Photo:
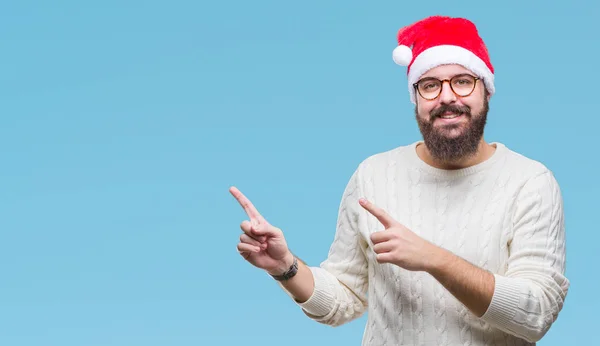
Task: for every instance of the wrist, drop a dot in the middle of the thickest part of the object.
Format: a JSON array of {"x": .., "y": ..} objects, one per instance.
[
  {"x": 439, "y": 260},
  {"x": 285, "y": 265}
]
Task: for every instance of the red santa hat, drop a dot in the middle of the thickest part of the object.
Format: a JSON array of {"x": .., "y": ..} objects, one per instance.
[{"x": 440, "y": 40}]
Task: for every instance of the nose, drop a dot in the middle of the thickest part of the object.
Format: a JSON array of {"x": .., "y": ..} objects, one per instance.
[{"x": 446, "y": 94}]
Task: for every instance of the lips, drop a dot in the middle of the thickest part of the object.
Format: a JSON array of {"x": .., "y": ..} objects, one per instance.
[
  {"x": 450, "y": 115},
  {"x": 450, "y": 119},
  {"x": 449, "y": 112}
]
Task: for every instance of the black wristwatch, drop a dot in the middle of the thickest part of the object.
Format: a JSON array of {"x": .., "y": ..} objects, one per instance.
[{"x": 290, "y": 273}]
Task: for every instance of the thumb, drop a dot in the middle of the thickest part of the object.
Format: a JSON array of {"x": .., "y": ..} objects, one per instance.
[{"x": 265, "y": 230}]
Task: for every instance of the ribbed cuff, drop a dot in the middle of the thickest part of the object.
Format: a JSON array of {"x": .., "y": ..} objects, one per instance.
[
  {"x": 322, "y": 300},
  {"x": 505, "y": 302}
]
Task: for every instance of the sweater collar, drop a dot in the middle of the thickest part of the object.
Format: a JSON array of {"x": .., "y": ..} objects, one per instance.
[{"x": 455, "y": 173}]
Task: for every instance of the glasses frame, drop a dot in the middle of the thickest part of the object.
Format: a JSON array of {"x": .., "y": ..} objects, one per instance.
[{"x": 442, "y": 81}]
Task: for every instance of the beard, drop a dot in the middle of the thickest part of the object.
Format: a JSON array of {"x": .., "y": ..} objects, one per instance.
[{"x": 446, "y": 147}]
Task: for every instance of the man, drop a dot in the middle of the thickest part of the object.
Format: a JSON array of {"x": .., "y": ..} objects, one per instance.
[{"x": 447, "y": 241}]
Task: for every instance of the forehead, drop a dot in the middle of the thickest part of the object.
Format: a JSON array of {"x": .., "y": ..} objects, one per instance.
[{"x": 446, "y": 71}]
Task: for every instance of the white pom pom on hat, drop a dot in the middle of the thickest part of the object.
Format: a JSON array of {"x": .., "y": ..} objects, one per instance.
[{"x": 402, "y": 55}]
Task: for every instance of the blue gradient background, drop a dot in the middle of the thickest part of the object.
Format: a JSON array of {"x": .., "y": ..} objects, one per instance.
[{"x": 124, "y": 123}]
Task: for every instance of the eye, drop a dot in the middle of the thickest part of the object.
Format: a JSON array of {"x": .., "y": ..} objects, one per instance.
[
  {"x": 429, "y": 85},
  {"x": 463, "y": 81}
]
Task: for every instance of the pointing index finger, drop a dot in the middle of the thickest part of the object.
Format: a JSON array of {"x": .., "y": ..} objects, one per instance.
[
  {"x": 383, "y": 217},
  {"x": 253, "y": 214}
]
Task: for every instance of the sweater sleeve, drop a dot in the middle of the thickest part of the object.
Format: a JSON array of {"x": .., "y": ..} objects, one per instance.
[
  {"x": 529, "y": 296},
  {"x": 341, "y": 281}
]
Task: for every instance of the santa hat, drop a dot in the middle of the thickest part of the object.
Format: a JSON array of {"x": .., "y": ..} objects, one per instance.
[{"x": 439, "y": 40}]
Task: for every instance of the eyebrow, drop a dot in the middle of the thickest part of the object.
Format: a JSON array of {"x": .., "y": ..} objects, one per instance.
[{"x": 456, "y": 75}]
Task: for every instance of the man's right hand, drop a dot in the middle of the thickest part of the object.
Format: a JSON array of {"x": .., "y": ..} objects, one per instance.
[{"x": 262, "y": 244}]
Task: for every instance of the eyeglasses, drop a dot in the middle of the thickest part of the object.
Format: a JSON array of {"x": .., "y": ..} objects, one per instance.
[{"x": 430, "y": 88}]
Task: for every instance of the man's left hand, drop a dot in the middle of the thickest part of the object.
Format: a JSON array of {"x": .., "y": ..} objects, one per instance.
[{"x": 398, "y": 245}]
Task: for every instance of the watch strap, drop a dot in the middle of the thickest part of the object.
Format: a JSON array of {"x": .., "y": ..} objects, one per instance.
[{"x": 290, "y": 273}]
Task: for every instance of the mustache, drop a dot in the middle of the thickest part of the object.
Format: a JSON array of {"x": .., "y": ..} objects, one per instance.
[{"x": 450, "y": 108}]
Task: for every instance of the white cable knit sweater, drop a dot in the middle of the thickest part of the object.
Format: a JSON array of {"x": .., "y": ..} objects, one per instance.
[{"x": 504, "y": 215}]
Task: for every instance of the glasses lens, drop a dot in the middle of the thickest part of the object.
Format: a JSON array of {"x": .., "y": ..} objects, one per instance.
[
  {"x": 463, "y": 85},
  {"x": 429, "y": 88}
]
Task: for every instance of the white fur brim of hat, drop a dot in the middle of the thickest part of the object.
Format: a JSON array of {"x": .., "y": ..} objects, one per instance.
[{"x": 441, "y": 55}]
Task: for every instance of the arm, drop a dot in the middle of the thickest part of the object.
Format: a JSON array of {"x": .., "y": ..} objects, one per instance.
[
  {"x": 301, "y": 286},
  {"x": 335, "y": 292},
  {"x": 471, "y": 285},
  {"x": 526, "y": 300}
]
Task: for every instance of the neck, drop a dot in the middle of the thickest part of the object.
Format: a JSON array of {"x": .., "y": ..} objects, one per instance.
[{"x": 484, "y": 152}]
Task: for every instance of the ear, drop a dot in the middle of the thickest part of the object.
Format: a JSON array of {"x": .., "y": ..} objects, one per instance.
[{"x": 487, "y": 94}]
